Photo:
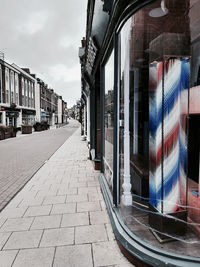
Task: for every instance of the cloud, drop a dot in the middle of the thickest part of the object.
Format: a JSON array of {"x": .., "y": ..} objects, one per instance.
[
  {"x": 67, "y": 41},
  {"x": 34, "y": 22},
  {"x": 64, "y": 73},
  {"x": 45, "y": 36}
]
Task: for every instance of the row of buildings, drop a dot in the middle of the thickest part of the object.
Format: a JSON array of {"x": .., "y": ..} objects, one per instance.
[
  {"x": 26, "y": 99},
  {"x": 75, "y": 111},
  {"x": 140, "y": 112}
]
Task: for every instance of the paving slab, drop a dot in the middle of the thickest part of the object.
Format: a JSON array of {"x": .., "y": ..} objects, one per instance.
[
  {"x": 24, "y": 239},
  {"x": 45, "y": 222},
  {"x": 66, "y": 191},
  {"x": 32, "y": 201},
  {"x": 88, "y": 206},
  {"x": 99, "y": 217},
  {"x": 77, "y": 198},
  {"x": 38, "y": 211},
  {"x": 73, "y": 256},
  {"x": 7, "y": 258},
  {"x": 75, "y": 219},
  {"x": 109, "y": 231},
  {"x": 12, "y": 225},
  {"x": 57, "y": 237},
  {"x": 3, "y": 238},
  {"x": 86, "y": 190},
  {"x": 90, "y": 234},
  {"x": 39, "y": 257},
  {"x": 64, "y": 208},
  {"x": 54, "y": 200},
  {"x": 13, "y": 212},
  {"x": 107, "y": 253},
  {"x": 95, "y": 197}
]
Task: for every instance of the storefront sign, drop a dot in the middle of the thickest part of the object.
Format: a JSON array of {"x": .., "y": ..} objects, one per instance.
[
  {"x": 12, "y": 114},
  {"x": 92, "y": 51},
  {"x": 28, "y": 112},
  {"x": 43, "y": 114}
]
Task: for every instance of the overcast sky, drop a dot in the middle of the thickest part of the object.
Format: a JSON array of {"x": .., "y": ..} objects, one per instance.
[{"x": 44, "y": 35}]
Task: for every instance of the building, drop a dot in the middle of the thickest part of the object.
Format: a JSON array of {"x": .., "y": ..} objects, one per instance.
[
  {"x": 17, "y": 95},
  {"x": 27, "y": 95},
  {"x": 25, "y": 99},
  {"x": 51, "y": 107},
  {"x": 60, "y": 110},
  {"x": 75, "y": 111},
  {"x": 141, "y": 105},
  {"x": 64, "y": 112},
  {"x": 47, "y": 103}
]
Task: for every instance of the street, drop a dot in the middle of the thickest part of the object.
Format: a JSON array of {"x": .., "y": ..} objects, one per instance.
[{"x": 22, "y": 156}]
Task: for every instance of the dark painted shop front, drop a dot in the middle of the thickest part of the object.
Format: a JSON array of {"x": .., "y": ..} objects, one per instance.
[{"x": 141, "y": 63}]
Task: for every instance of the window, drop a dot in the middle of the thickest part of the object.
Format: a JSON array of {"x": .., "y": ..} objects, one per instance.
[
  {"x": 109, "y": 120},
  {"x": 159, "y": 52},
  {"x": 23, "y": 92},
  {"x": 0, "y": 84},
  {"x": 32, "y": 97},
  {"x": 26, "y": 92},
  {"x": 12, "y": 87},
  {"x": 16, "y": 89},
  {"x": 29, "y": 94},
  {"x": 7, "y": 85}
]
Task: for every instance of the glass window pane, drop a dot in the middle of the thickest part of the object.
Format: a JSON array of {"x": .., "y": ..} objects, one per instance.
[
  {"x": 109, "y": 119},
  {"x": 160, "y": 71}
]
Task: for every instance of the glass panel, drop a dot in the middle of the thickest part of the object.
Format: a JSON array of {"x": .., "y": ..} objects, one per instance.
[
  {"x": 0, "y": 85},
  {"x": 109, "y": 120},
  {"x": 160, "y": 71},
  {"x": 7, "y": 86},
  {"x": 121, "y": 131},
  {"x": 16, "y": 89},
  {"x": 23, "y": 92},
  {"x": 12, "y": 86}
]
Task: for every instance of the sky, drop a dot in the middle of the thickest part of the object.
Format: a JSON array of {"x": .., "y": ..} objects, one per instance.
[{"x": 44, "y": 36}]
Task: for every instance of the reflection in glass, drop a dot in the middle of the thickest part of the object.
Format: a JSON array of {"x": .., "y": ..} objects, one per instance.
[
  {"x": 160, "y": 57},
  {"x": 109, "y": 120}
]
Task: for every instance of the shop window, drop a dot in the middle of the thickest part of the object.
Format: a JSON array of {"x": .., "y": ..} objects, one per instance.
[
  {"x": 0, "y": 84},
  {"x": 109, "y": 120},
  {"x": 98, "y": 115},
  {"x": 159, "y": 147},
  {"x": 134, "y": 114}
]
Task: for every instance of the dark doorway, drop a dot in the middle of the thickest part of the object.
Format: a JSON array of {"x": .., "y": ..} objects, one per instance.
[{"x": 194, "y": 147}]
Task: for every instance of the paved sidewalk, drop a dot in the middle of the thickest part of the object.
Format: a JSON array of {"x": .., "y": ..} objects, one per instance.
[
  {"x": 21, "y": 157},
  {"x": 59, "y": 218}
]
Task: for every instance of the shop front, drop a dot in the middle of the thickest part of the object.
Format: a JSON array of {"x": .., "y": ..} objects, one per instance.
[
  {"x": 28, "y": 116},
  {"x": 150, "y": 128},
  {"x": 10, "y": 116}
]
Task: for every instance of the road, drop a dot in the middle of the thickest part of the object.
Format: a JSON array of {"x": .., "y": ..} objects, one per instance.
[{"x": 22, "y": 156}]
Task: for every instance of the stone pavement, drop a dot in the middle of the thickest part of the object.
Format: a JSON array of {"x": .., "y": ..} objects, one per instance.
[
  {"x": 21, "y": 157},
  {"x": 59, "y": 218}
]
